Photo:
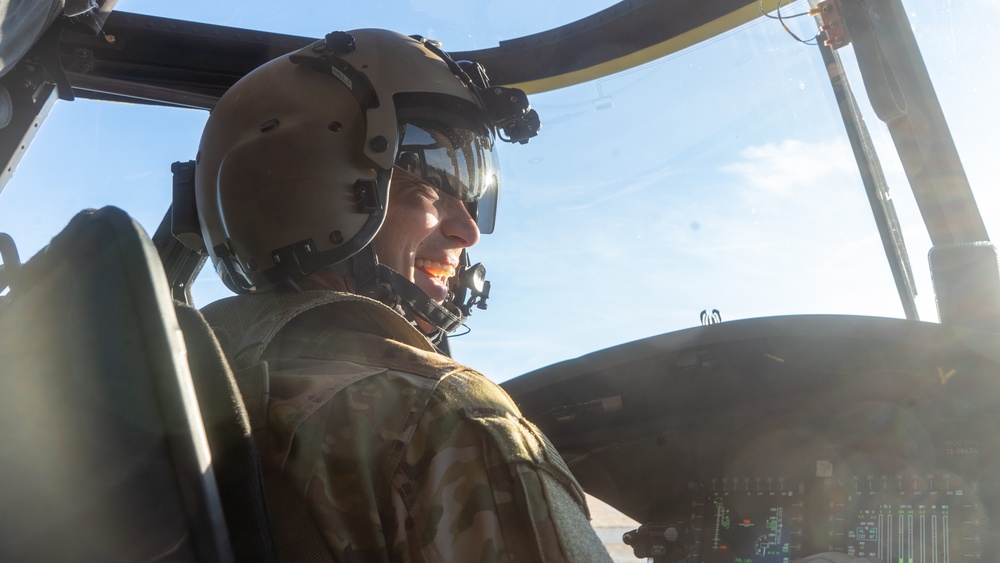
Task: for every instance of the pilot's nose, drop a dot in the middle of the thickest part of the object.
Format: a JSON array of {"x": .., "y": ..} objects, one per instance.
[{"x": 458, "y": 225}]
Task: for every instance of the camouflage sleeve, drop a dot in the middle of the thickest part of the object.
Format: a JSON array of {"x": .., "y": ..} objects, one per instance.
[{"x": 478, "y": 482}]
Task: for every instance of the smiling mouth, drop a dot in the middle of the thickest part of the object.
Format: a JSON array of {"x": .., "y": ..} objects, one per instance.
[{"x": 434, "y": 269}]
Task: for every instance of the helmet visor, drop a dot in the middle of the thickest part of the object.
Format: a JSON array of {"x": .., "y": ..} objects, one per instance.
[{"x": 456, "y": 160}]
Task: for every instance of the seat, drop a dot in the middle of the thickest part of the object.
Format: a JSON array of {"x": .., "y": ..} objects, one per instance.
[
  {"x": 105, "y": 455},
  {"x": 235, "y": 459}
]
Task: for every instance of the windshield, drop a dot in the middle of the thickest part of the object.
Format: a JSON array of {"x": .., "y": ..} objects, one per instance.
[{"x": 717, "y": 178}]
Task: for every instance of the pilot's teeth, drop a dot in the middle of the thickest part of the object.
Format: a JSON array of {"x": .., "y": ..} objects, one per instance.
[{"x": 434, "y": 265}]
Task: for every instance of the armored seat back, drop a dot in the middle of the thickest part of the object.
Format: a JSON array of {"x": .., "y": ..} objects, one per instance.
[{"x": 104, "y": 455}]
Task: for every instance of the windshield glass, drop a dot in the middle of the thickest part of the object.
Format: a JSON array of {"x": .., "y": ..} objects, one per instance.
[{"x": 717, "y": 178}]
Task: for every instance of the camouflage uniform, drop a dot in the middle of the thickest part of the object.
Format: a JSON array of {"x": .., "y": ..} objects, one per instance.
[{"x": 389, "y": 450}]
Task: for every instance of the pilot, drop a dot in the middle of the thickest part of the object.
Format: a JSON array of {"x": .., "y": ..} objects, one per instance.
[{"x": 338, "y": 189}]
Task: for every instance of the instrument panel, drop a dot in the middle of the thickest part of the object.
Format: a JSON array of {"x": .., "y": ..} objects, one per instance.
[
  {"x": 768, "y": 440},
  {"x": 874, "y": 516}
]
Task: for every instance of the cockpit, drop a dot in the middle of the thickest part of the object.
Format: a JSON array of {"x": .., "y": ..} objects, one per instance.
[{"x": 742, "y": 278}]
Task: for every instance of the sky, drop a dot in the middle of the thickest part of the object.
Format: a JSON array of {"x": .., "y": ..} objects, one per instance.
[{"x": 716, "y": 178}]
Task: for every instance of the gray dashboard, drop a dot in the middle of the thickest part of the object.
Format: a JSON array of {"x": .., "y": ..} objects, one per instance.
[{"x": 769, "y": 439}]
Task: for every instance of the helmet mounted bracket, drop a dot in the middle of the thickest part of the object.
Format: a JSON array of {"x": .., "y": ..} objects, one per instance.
[{"x": 507, "y": 108}]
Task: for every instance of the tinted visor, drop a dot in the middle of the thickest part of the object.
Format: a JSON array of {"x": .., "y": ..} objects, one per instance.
[{"x": 456, "y": 160}]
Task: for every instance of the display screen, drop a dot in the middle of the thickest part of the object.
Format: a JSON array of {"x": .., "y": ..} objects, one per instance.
[
  {"x": 749, "y": 520},
  {"x": 916, "y": 520},
  {"x": 897, "y": 519}
]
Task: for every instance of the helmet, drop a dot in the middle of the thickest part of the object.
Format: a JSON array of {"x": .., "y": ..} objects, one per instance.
[{"x": 293, "y": 171}]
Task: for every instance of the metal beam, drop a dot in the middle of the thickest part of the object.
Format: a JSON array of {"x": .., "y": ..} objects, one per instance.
[
  {"x": 964, "y": 267},
  {"x": 903, "y": 96},
  {"x": 146, "y": 59},
  {"x": 31, "y": 103}
]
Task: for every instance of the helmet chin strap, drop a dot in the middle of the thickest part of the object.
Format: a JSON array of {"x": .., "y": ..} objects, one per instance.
[{"x": 389, "y": 286}]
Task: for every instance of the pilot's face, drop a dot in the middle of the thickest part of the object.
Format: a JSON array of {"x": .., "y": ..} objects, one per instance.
[{"x": 423, "y": 234}]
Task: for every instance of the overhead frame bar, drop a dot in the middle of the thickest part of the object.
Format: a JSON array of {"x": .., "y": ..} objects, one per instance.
[
  {"x": 613, "y": 40},
  {"x": 145, "y": 59}
]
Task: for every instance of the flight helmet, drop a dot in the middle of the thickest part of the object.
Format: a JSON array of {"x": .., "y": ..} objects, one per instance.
[{"x": 294, "y": 167}]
